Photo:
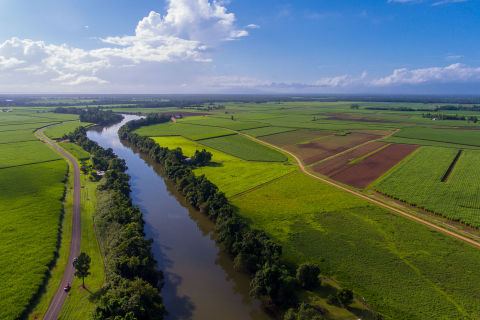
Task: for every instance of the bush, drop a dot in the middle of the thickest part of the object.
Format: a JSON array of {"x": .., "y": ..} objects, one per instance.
[
  {"x": 307, "y": 275},
  {"x": 304, "y": 312}
]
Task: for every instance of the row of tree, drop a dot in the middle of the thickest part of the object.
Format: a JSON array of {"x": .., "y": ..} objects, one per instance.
[
  {"x": 132, "y": 288},
  {"x": 253, "y": 251},
  {"x": 92, "y": 115},
  {"x": 443, "y": 116}
]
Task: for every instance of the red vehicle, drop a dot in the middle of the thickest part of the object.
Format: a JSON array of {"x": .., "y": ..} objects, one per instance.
[{"x": 67, "y": 287}]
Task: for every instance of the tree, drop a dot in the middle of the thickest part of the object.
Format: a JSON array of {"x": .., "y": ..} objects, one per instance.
[
  {"x": 345, "y": 296},
  {"x": 355, "y": 106},
  {"x": 304, "y": 312},
  {"x": 82, "y": 265},
  {"x": 307, "y": 275}
]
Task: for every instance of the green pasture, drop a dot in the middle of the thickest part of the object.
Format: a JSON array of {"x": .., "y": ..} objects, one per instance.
[
  {"x": 418, "y": 181},
  {"x": 403, "y": 269},
  {"x": 265, "y": 131},
  {"x": 189, "y": 131},
  {"x": 232, "y": 175},
  {"x": 17, "y": 136},
  {"x": 58, "y": 131},
  {"x": 75, "y": 150},
  {"x": 244, "y": 148},
  {"x": 459, "y": 136},
  {"x": 224, "y": 123},
  {"x": 30, "y": 211},
  {"x": 420, "y": 142},
  {"x": 21, "y": 153}
]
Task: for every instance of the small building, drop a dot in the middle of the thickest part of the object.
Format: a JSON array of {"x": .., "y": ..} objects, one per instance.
[
  {"x": 188, "y": 160},
  {"x": 100, "y": 173}
]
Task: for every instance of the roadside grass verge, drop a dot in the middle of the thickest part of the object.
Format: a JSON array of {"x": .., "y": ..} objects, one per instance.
[
  {"x": 80, "y": 303},
  {"x": 30, "y": 212},
  {"x": 400, "y": 267},
  {"x": 244, "y": 148}
]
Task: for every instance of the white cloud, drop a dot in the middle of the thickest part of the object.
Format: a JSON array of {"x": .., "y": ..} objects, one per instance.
[
  {"x": 188, "y": 31},
  {"x": 253, "y": 26},
  {"x": 340, "y": 81},
  {"x": 438, "y": 3},
  {"x": 453, "y": 73}
]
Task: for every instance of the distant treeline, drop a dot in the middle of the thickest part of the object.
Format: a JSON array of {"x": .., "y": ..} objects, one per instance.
[
  {"x": 253, "y": 251},
  {"x": 132, "y": 288},
  {"x": 188, "y": 100},
  {"x": 436, "y": 109},
  {"x": 442, "y": 116},
  {"x": 92, "y": 115}
]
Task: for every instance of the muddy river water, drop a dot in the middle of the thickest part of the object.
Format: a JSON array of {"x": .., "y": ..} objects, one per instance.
[{"x": 200, "y": 282}]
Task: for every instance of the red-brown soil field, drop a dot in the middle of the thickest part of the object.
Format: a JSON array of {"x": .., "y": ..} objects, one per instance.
[
  {"x": 337, "y": 164},
  {"x": 320, "y": 149},
  {"x": 371, "y": 168}
]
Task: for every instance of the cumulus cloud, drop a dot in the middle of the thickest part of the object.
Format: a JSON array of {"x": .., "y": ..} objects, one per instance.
[
  {"x": 187, "y": 32},
  {"x": 453, "y": 73}
]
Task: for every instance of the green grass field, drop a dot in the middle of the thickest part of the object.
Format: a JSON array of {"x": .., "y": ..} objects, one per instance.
[
  {"x": 17, "y": 136},
  {"x": 244, "y": 148},
  {"x": 75, "y": 150},
  {"x": 418, "y": 181},
  {"x": 58, "y": 131},
  {"x": 420, "y": 142},
  {"x": 232, "y": 175},
  {"x": 404, "y": 270},
  {"x": 189, "y": 131},
  {"x": 21, "y": 153},
  {"x": 30, "y": 211},
  {"x": 266, "y": 131},
  {"x": 224, "y": 122},
  {"x": 465, "y": 137}
]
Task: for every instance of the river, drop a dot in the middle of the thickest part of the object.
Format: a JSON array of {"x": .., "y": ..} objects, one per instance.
[{"x": 200, "y": 282}]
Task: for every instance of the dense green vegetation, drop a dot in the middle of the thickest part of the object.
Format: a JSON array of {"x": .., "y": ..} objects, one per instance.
[
  {"x": 132, "y": 282},
  {"x": 92, "y": 115},
  {"x": 30, "y": 212},
  {"x": 418, "y": 181},
  {"x": 244, "y": 148}
]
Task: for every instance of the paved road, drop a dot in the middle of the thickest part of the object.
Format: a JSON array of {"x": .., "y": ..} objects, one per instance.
[
  {"x": 58, "y": 300},
  {"x": 358, "y": 194}
]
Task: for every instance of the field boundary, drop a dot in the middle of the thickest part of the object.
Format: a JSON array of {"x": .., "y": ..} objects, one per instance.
[
  {"x": 261, "y": 185},
  {"x": 368, "y": 154},
  {"x": 451, "y": 167},
  {"x": 374, "y": 201},
  {"x": 31, "y": 163}
]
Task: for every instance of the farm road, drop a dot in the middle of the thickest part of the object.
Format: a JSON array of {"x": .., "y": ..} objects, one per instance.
[
  {"x": 358, "y": 194},
  {"x": 58, "y": 300}
]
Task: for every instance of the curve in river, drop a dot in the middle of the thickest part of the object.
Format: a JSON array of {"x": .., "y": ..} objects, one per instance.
[{"x": 200, "y": 282}]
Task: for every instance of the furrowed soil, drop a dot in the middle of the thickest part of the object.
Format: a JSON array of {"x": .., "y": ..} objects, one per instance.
[
  {"x": 337, "y": 164},
  {"x": 371, "y": 168},
  {"x": 317, "y": 150}
]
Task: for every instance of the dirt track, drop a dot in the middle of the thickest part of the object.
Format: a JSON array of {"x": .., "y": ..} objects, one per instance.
[
  {"x": 58, "y": 300},
  {"x": 358, "y": 194}
]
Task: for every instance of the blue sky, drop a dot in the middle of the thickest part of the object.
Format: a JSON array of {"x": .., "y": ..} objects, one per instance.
[{"x": 197, "y": 46}]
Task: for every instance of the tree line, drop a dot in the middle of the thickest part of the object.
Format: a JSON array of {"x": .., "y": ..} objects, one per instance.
[
  {"x": 132, "y": 288},
  {"x": 253, "y": 251},
  {"x": 92, "y": 115},
  {"x": 442, "y": 116}
]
